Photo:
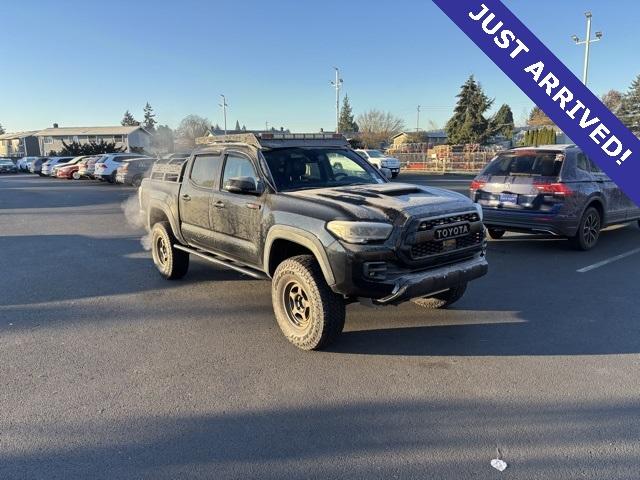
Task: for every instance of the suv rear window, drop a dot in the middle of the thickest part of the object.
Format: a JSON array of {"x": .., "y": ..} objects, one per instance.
[{"x": 545, "y": 164}]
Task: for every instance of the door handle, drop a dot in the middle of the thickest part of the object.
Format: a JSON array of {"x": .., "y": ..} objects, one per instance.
[
  {"x": 219, "y": 204},
  {"x": 186, "y": 197}
]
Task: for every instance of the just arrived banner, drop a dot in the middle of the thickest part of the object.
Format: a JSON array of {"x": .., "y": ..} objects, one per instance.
[{"x": 552, "y": 87}]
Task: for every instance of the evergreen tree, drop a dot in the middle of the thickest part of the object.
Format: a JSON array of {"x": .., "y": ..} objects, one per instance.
[
  {"x": 502, "y": 122},
  {"x": 468, "y": 124},
  {"x": 1, "y": 130},
  {"x": 128, "y": 120},
  {"x": 149, "y": 122},
  {"x": 630, "y": 108},
  {"x": 237, "y": 129},
  {"x": 244, "y": 128},
  {"x": 346, "y": 122},
  {"x": 536, "y": 138}
]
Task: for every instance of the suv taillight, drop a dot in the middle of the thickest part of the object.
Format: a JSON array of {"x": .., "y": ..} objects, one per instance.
[
  {"x": 477, "y": 185},
  {"x": 555, "y": 189}
]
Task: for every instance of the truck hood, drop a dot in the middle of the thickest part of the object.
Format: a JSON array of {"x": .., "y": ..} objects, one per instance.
[{"x": 394, "y": 202}]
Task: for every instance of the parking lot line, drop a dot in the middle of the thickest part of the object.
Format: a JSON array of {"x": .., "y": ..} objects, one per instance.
[{"x": 608, "y": 261}]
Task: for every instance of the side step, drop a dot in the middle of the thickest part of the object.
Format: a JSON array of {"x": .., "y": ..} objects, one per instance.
[{"x": 225, "y": 262}]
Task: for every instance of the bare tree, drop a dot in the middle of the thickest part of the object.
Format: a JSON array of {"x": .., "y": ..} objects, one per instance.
[
  {"x": 613, "y": 100},
  {"x": 378, "y": 127},
  {"x": 192, "y": 127},
  {"x": 537, "y": 118}
]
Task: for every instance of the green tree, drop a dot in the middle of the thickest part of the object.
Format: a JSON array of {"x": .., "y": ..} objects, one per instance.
[
  {"x": 502, "y": 122},
  {"x": 346, "y": 122},
  {"x": 92, "y": 148},
  {"x": 468, "y": 124},
  {"x": 237, "y": 127},
  {"x": 149, "y": 122},
  {"x": 163, "y": 139},
  {"x": 630, "y": 108},
  {"x": 128, "y": 120},
  {"x": 1, "y": 130}
]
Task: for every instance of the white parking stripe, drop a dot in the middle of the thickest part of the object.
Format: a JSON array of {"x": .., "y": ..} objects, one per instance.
[{"x": 608, "y": 261}]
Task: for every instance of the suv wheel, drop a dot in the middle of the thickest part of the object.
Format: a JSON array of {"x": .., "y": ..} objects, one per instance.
[
  {"x": 76, "y": 175},
  {"x": 112, "y": 177},
  {"x": 137, "y": 181},
  {"x": 309, "y": 314},
  {"x": 170, "y": 262},
  {"x": 496, "y": 233},
  {"x": 588, "y": 231},
  {"x": 444, "y": 299}
]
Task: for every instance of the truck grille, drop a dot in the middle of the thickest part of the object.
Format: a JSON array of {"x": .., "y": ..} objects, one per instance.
[
  {"x": 437, "y": 222},
  {"x": 426, "y": 249}
]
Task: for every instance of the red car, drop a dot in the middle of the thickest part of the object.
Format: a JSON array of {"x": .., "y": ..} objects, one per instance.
[{"x": 67, "y": 170}]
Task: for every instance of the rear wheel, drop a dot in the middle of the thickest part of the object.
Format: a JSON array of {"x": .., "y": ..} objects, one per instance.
[
  {"x": 496, "y": 233},
  {"x": 308, "y": 312},
  {"x": 588, "y": 231},
  {"x": 76, "y": 175},
  {"x": 444, "y": 299},
  {"x": 170, "y": 262}
]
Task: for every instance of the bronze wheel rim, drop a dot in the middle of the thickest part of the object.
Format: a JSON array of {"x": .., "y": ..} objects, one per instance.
[
  {"x": 162, "y": 251},
  {"x": 296, "y": 304}
]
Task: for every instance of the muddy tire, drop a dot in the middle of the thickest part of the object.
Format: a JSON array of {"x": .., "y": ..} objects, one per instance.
[
  {"x": 170, "y": 262},
  {"x": 588, "y": 231},
  {"x": 444, "y": 299},
  {"x": 309, "y": 314},
  {"x": 496, "y": 233}
]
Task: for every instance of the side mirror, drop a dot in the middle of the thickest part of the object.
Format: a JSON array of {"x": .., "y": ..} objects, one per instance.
[
  {"x": 247, "y": 185},
  {"x": 387, "y": 173}
]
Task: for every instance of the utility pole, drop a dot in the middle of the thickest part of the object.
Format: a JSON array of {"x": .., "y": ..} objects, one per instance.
[
  {"x": 266, "y": 126},
  {"x": 418, "y": 122},
  {"x": 224, "y": 106},
  {"x": 337, "y": 84},
  {"x": 587, "y": 46}
]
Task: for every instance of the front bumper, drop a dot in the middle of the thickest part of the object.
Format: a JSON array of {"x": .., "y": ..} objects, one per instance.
[
  {"x": 531, "y": 222},
  {"x": 421, "y": 284}
]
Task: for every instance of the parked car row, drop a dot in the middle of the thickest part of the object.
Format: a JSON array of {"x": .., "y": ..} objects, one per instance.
[
  {"x": 7, "y": 166},
  {"x": 125, "y": 168}
]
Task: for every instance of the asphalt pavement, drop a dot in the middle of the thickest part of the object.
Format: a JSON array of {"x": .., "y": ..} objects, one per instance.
[{"x": 109, "y": 371}]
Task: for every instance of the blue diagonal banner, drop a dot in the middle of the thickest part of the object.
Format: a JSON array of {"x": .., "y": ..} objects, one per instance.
[{"x": 551, "y": 86}]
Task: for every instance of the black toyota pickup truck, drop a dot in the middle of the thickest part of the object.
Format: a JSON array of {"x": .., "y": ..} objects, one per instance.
[{"x": 327, "y": 228}]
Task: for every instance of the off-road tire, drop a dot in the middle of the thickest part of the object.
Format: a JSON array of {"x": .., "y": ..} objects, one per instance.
[
  {"x": 588, "y": 230},
  {"x": 496, "y": 233},
  {"x": 444, "y": 299},
  {"x": 316, "y": 318},
  {"x": 170, "y": 262}
]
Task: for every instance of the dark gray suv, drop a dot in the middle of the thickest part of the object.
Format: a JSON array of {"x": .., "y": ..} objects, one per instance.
[{"x": 553, "y": 189}]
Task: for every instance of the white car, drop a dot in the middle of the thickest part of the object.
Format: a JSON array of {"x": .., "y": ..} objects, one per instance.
[
  {"x": 380, "y": 160},
  {"x": 47, "y": 167},
  {"x": 107, "y": 164}
]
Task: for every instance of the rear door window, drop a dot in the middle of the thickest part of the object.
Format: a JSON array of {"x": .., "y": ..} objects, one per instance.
[
  {"x": 545, "y": 164},
  {"x": 204, "y": 170}
]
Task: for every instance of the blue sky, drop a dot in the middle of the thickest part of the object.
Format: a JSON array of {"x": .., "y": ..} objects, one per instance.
[{"x": 85, "y": 63}]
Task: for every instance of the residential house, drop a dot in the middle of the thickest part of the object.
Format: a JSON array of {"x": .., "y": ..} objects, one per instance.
[
  {"x": 18, "y": 145},
  {"x": 431, "y": 137},
  {"x": 129, "y": 138}
]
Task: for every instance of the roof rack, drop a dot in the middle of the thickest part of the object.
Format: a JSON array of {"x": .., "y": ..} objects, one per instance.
[{"x": 277, "y": 139}]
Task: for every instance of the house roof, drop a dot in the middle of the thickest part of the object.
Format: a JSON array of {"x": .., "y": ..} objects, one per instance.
[
  {"x": 426, "y": 133},
  {"x": 15, "y": 135},
  {"x": 70, "y": 131}
]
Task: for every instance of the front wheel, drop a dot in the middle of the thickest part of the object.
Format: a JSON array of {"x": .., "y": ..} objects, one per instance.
[
  {"x": 137, "y": 181},
  {"x": 444, "y": 299},
  {"x": 170, "y": 262},
  {"x": 588, "y": 231},
  {"x": 308, "y": 312},
  {"x": 76, "y": 176},
  {"x": 394, "y": 175}
]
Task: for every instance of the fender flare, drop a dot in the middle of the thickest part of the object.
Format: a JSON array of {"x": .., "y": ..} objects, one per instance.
[
  {"x": 155, "y": 205},
  {"x": 304, "y": 238},
  {"x": 596, "y": 198}
]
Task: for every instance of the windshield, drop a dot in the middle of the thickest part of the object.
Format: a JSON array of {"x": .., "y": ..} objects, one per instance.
[
  {"x": 305, "y": 168},
  {"x": 375, "y": 153},
  {"x": 527, "y": 163},
  {"x": 6, "y": 162}
]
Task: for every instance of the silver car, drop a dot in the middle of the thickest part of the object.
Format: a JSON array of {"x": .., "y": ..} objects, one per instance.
[{"x": 553, "y": 189}]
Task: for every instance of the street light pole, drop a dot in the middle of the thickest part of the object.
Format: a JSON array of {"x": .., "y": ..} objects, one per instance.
[
  {"x": 337, "y": 84},
  {"x": 587, "y": 43},
  {"x": 224, "y": 106},
  {"x": 418, "y": 121}
]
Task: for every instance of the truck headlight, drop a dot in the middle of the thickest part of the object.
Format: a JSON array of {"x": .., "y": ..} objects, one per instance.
[
  {"x": 479, "y": 210},
  {"x": 360, "y": 232}
]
